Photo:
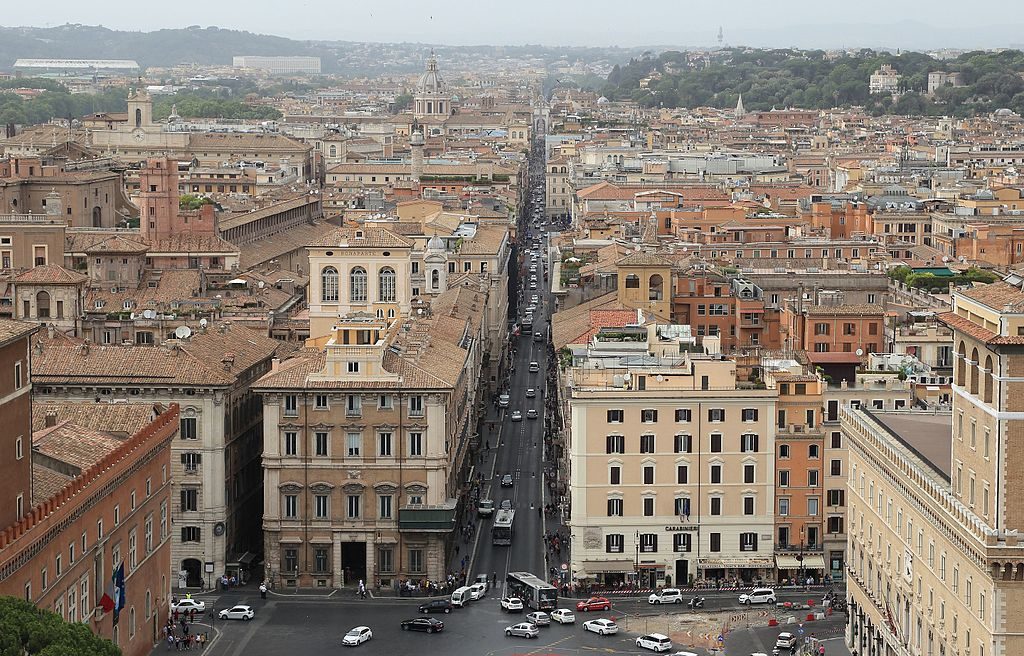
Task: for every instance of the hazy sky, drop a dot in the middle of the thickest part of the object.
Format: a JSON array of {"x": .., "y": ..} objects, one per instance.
[{"x": 553, "y": 22}]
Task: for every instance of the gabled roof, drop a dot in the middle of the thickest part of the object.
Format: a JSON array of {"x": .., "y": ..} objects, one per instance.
[
  {"x": 371, "y": 237},
  {"x": 117, "y": 244},
  {"x": 50, "y": 274},
  {"x": 1000, "y": 296},
  {"x": 643, "y": 258}
]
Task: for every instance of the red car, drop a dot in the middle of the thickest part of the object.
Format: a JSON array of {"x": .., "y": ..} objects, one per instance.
[{"x": 594, "y": 603}]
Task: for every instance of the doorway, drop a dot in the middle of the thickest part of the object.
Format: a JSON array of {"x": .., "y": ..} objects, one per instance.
[
  {"x": 353, "y": 562},
  {"x": 682, "y": 573},
  {"x": 193, "y": 570}
]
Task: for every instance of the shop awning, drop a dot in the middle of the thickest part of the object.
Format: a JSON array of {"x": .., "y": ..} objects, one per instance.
[
  {"x": 753, "y": 562},
  {"x": 608, "y": 566},
  {"x": 789, "y": 561}
]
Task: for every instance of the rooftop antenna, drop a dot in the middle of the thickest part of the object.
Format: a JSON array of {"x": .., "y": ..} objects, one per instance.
[{"x": 721, "y": 36}]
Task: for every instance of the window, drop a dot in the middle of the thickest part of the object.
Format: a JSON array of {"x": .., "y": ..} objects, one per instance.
[
  {"x": 821, "y": 329},
  {"x": 716, "y": 505},
  {"x": 291, "y": 405},
  {"x": 147, "y": 537},
  {"x": 415, "y": 444},
  {"x": 614, "y": 543},
  {"x": 649, "y": 475},
  {"x": 353, "y": 506},
  {"x": 748, "y": 473},
  {"x": 291, "y": 506},
  {"x": 836, "y": 497},
  {"x": 189, "y": 501},
  {"x": 387, "y": 291},
  {"x": 715, "y": 542},
  {"x": 646, "y": 444},
  {"x": 615, "y": 444},
  {"x": 353, "y": 367},
  {"x": 191, "y": 461},
  {"x": 190, "y": 534},
  {"x": 682, "y": 542},
  {"x": 812, "y": 506},
  {"x": 681, "y": 506},
  {"x": 683, "y": 444},
  {"x": 684, "y": 414},
  {"x": 783, "y": 452},
  {"x": 19, "y": 380},
  {"x": 837, "y": 440},
  {"x": 682, "y": 474},
  {"x": 716, "y": 414},
  {"x": 329, "y": 285},
  {"x": 749, "y": 443},
  {"x": 320, "y": 502},
  {"x": 291, "y": 560},
  {"x": 783, "y": 478},
  {"x": 614, "y": 475},
  {"x": 648, "y": 542},
  {"x": 384, "y": 444},
  {"x": 716, "y": 474},
  {"x": 648, "y": 416},
  {"x": 783, "y": 506},
  {"x": 188, "y": 428},
  {"x": 384, "y": 506},
  {"x": 291, "y": 443},
  {"x": 748, "y": 541},
  {"x": 836, "y": 467},
  {"x": 835, "y": 525},
  {"x": 615, "y": 416},
  {"x": 320, "y": 402},
  {"x": 320, "y": 560},
  {"x": 716, "y": 443},
  {"x": 416, "y": 406},
  {"x": 353, "y": 405},
  {"x": 353, "y": 444},
  {"x": 321, "y": 439},
  {"x": 357, "y": 285},
  {"x": 748, "y": 505},
  {"x": 648, "y": 506},
  {"x": 386, "y": 559},
  {"x": 615, "y": 507},
  {"x": 812, "y": 477},
  {"x": 750, "y": 414}
]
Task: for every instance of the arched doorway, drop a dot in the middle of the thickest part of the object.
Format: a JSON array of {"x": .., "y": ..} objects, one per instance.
[
  {"x": 97, "y": 217},
  {"x": 192, "y": 572}
]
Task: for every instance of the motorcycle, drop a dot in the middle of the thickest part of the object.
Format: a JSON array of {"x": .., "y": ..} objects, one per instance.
[{"x": 696, "y": 602}]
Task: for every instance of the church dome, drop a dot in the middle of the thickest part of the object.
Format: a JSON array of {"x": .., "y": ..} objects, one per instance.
[
  {"x": 431, "y": 82},
  {"x": 436, "y": 245}
]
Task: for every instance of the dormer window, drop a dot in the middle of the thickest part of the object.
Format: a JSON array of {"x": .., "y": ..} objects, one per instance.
[{"x": 359, "y": 234}]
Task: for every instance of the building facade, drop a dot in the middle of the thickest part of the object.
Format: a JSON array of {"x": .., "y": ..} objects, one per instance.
[{"x": 16, "y": 418}]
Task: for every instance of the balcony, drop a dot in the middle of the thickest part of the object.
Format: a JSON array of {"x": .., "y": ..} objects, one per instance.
[{"x": 428, "y": 519}]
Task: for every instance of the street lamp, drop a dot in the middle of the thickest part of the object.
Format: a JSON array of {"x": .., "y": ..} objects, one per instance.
[
  {"x": 800, "y": 557},
  {"x": 636, "y": 568}
]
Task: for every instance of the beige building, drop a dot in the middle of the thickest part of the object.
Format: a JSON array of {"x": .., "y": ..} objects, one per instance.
[
  {"x": 557, "y": 187},
  {"x": 671, "y": 463},
  {"x": 935, "y": 562},
  {"x": 364, "y": 440}
]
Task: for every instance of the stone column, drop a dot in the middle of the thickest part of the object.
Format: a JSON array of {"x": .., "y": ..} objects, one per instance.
[
  {"x": 371, "y": 560},
  {"x": 339, "y": 573}
]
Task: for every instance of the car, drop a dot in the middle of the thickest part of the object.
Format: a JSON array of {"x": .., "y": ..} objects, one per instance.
[
  {"x": 436, "y": 606},
  {"x": 425, "y": 624},
  {"x": 186, "y": 605},
  {"x": 517, "y": 415},
  {"x": 485, "y": 508},
  {"x": 594, "y": 603},
  {"x": 506, "y": 504},
  {"x": 522, "y": 630},
  {"x": 533, "y": 278},
  {"x": 540, "y": 618},
  {"x": 655, "y": 642},
  {"x": 530, "y": 392},
  {"x": 503, "y": 400},
  {"x": 506, "y": 480},
  {"x": 533, "y": 286},
  {"x": 785, "y": 640},
  {"x": 563, "y": 616},
  {"x": 531, "y": 413},
  {"x": 534, "y": 367},
  {"x": 601, "y": 627},
  {"x": 666, "y": 596},
  {"x": 534, "y": 299},
  {"x": 240, "y": 612},
  {"x": 482, "y": 578},
  {"x": 357, "y": 636},
  {"x": 531, "y": 308},
  {"x": 478, "y": 590},
  {"x": 512, "y": 604},
  {"x": 758, "y": 596}
]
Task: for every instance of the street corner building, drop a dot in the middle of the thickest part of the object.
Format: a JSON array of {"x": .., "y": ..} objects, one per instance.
[{"x": 94, "y": 545}]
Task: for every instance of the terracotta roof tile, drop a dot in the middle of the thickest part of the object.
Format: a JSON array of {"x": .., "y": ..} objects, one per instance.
[
  {"x": 73, "y": 444},
  {"x": 971, "y": 329},
  {"x": 1000, "y": 296},
  {"x": 11, "y": 330},
  {"x": 50, "y": 274},
  {"x": 372, "y": 237},
  {"x": 118, "y": 418}
]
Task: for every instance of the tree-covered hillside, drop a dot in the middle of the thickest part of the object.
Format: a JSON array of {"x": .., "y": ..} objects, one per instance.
[{"x": 810, "y": 79}]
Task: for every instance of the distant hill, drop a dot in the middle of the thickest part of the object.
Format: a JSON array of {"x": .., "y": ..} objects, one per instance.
[{"x": 209, "y": 45}]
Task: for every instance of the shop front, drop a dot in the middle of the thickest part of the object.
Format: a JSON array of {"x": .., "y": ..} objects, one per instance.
[
  {"x": 794, "y": 569},
  {"x": 736, "y": 570},
  {"x": 605, "y": 573}
]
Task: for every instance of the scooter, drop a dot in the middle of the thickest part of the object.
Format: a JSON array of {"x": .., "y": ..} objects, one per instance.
[{"x": 696, "y": 602}]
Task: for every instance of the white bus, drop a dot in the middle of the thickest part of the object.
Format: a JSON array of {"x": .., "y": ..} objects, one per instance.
[
  {"x": 534, "y": 592},
  {"x": 501, "y": 531}
]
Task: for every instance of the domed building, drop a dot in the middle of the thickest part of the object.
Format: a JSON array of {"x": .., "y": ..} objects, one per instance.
[{"x": 432, "y": 98}]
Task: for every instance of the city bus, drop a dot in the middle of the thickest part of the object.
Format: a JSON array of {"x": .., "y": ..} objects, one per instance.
[
  {"x": 501, "y": 531},
  {"x": 534, "y": 592},
  {"x": 526, "y": 326}
]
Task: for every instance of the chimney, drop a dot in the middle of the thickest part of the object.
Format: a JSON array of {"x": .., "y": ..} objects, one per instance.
[
  {"x": 50, "y": 330},
  {"x": 275, "y": 364},
  {"x": 51, "y": 418}
]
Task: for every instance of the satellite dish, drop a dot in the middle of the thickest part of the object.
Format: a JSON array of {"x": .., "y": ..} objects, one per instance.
[
  {"x": 262, "y": 284},
  {"x": 149, "y": 314},
  {"x": 860, "y": 352},
  {"x": 132, "y": 316},
  {"x": 182, "y": 332},
  {"x": 203, "y": 322}
]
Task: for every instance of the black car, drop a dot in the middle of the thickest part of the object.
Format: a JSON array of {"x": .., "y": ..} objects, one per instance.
[
  {"x": 436, "y": 606},
  {"x": 427, "y": 624}
]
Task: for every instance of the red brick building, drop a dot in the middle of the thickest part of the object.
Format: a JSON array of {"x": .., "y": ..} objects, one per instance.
[
  {"x": 16, "y": 419},
  {"x": 102, "y": 501}
]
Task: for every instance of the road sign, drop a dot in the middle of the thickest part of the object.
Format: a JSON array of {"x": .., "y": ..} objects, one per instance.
[
  {"x": 564, "y": 567},
  {"x": 721, "y": 638}
]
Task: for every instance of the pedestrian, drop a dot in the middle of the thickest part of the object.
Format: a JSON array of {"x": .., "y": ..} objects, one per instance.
[
  {"x": 263, "y": 590},
  {"x": 170, "y": 641}
]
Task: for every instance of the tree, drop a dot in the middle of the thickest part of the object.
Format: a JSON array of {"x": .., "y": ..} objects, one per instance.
[
  {"x": 29, "y": 631},
  {"x": 402, "y": 101}
]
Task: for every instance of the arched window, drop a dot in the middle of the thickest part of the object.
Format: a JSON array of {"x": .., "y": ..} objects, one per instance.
[
  {"x": 329, "y": 285},
  {"x": 43, "y": 305},
  {"x": 961, "y": 366},
  {"x": 632, "y": 281},
  {"x": 435, "y": 279},
  {"x": 654, "y": 288},
  {"x": 357, "y": 281},
  {"x": 386, "y": 293},
  {"x": 131, "y": 622},
  {"x": 989, "y": 380},
  {"x": 334, "y": 151},
  {"x": 974, "y": 371},
  {"x": 138, "y": 118}
]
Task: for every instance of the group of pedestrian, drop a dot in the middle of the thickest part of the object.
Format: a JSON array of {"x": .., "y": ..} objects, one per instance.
[{"x": 185, "y": 640}]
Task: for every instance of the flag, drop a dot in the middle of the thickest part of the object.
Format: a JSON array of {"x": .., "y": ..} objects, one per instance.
[
  {"x": 106, "y": 601},
  {"x": 118, "y": 580}
]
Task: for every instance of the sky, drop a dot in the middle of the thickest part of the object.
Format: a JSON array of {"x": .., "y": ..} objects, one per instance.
[{"x": 780, "y": 23}]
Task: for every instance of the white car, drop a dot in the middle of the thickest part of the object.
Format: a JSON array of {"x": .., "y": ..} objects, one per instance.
[
  {"x": 758, "y": 596},
  {"x": 517, "y": 415},
  {"x": 477, "y": 591},
  {"x": 512, "y": 604},
  {"x": 357, "y": 636},
  {"x": 655, "y": 642},
  {"x": 503, "y": 400},
  {"x": 785, "y": 640},
  {"x": 534, "y": 367},
  {"x": 666, "y": 596},
  {"x": 244, "y": 613},
  {"x": 563, "y": 616},
  {"x": 186, "y": 605},
  {"x": 531, "y": 392},
  {"x": 601, "y": 627},
  {"x": 523, "y": 630}
]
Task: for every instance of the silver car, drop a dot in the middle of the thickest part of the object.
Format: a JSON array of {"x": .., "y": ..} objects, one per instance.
[{"x": 523, "y": 630}]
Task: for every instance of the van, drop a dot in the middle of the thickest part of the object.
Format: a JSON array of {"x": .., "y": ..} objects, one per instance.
[{"x": 462, "y": 596}]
